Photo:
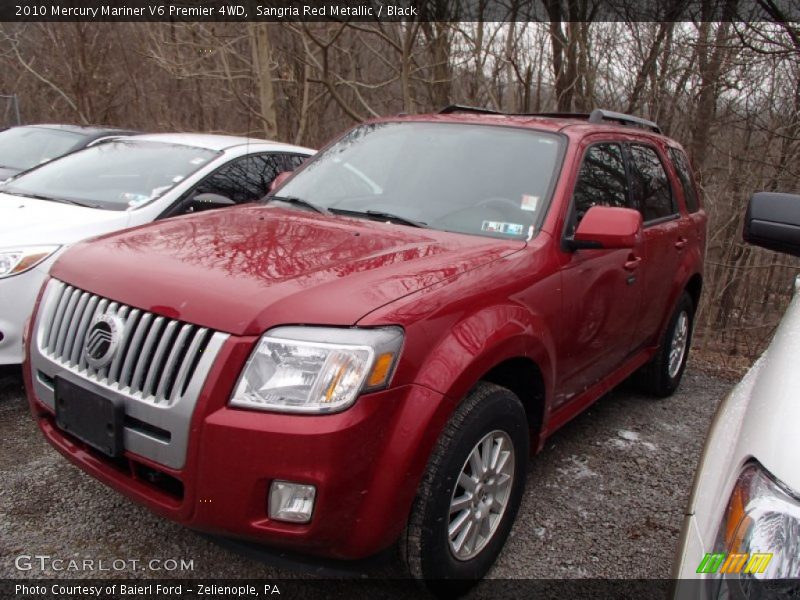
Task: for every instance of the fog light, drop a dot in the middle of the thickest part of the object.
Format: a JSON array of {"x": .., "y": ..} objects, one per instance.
[{"x": 292, "y": 502}]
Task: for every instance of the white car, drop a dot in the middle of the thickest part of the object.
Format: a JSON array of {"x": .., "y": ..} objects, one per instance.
[
  {"x": 741, "y": 532},
  {"x": 112, "y": 186}
]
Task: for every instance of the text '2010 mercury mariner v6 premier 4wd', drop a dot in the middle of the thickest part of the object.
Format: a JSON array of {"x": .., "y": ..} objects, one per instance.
[{"x": 370, "y": 355}]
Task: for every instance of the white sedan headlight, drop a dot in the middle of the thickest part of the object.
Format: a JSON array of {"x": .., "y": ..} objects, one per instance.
[
  {"x": 759, "y": 537},
  {"x": 14, "y": 261},
  {"x": 316, "y": 369}
]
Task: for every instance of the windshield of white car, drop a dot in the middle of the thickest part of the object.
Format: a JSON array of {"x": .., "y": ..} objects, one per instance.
[
  {"x": 476, "y": 179},
  {"x": 117, "y": 175},
  {"x": 24, "y": 147}
]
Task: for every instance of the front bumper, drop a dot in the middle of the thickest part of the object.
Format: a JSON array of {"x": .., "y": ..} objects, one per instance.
[{"x": 365, "y": 462}]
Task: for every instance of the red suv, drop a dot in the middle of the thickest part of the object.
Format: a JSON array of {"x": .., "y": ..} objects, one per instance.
[{"x": 369, "y": 356}]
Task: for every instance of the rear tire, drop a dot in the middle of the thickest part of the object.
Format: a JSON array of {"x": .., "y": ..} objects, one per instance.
[
  {"x": 661, "y": 376},
  {"x": 454, "y": 534}
]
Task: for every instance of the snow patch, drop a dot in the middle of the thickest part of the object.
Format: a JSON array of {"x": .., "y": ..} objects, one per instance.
[
  {"x": 577, "y": 468},
  {"x": 626, "y": 439}
]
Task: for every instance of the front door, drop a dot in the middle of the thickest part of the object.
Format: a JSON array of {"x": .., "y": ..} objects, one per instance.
[{"x": 603, "y": 289}]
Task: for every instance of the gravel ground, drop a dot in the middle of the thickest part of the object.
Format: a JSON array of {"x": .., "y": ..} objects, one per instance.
[{"x": 604, "y": 499}]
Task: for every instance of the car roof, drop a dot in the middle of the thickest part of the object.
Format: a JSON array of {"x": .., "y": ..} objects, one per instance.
[
  {"x": 577, "y": 124},
  {"x": 85, "y": 130},
  {"x": 220, "y": 142}
]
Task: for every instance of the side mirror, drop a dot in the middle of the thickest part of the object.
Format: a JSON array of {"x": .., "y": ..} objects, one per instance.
[
  {"x": 207, "y": 201},
  {"x": 607, "y": 227},
  {"x": 773, "y": 221},
  {"x": 278, "y": 181}
]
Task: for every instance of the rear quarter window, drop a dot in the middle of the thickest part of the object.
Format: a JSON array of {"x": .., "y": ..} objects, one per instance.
[{"x": 684, "y": 172}]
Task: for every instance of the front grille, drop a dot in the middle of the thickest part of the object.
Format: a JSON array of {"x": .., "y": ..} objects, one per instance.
[{"x": 155, "y": 359}]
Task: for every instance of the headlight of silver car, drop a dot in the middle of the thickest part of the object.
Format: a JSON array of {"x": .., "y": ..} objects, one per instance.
[
  {"x": 759, "y": 537},
  {"x": 316, "y": 369},
  {"x": 14, "y": 261}
]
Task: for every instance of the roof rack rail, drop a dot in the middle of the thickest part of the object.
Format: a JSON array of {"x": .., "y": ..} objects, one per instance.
[
  {"x": 472, "y": 109},
  {"x": 599, "y": 115}
]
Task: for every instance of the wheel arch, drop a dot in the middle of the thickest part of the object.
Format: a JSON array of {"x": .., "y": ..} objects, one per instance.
[
  {"x": 524, "y": 378},
  {"x": 694, "y": 287}
]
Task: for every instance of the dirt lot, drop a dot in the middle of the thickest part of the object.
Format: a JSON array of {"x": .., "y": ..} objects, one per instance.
[{"x": 603, "y": 500}]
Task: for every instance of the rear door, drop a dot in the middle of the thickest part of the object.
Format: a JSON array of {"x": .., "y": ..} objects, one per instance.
[
  {"x": 693, "y": 224},
  {"x": 664, "y": 236}
]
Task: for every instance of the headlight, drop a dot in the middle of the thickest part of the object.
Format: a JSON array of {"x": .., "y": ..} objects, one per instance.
[
  {"x": 316, "y": 369},
  {"x": 759, "y": 537},
  {"x": 19, "y": 260}
]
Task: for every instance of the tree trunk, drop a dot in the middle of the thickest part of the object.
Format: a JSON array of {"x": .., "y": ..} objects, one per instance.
[{"x": 265, "y": 90}]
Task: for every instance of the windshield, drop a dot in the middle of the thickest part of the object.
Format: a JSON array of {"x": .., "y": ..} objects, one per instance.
[
  {"x": 24, "y": 147},
  {"x": 476, "y": 179},
  {"x": 114, "y": 175}
]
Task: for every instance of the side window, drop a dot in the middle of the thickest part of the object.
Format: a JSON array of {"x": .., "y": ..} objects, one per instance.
[
  {"x": 292, "y": 161},
  {"x": 601, "y": 181},
  {"x": 687, "y": 181},
  {"x": 243, "y": 180},
  {"x": 651, "y": 190}
]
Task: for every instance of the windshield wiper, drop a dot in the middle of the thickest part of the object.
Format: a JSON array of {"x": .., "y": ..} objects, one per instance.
[
  {"x": 298, "y": 202},
  {"x": 62, "y": 200},
  {"x": 379, "y": 214},
  {"x": 48, "y": 198}
]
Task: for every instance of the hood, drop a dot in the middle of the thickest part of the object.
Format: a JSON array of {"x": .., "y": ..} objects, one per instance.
[
  {"x": 27, "y": 222},
  {"x": 244, "y": 270},
  {"x": 771, "y": 410}
]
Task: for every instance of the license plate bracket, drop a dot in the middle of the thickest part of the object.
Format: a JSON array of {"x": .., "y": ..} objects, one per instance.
[{"x": 90, "y": 417}]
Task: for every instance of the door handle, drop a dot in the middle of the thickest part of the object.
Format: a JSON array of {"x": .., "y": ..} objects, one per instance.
[
  {"x": 633, "y": 263},
  {"x": 681, "y": 243}
]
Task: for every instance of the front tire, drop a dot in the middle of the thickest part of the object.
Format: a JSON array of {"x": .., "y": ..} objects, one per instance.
[
  {"x": 470, "y": 492},
  {"x": 661, "y": 376}
]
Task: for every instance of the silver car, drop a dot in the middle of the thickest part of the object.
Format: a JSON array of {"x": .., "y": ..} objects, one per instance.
[{"x": 741, "y": 532}]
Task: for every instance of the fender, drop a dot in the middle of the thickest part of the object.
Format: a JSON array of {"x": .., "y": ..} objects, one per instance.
[
  {"x": 450, "y": 368},
  {"x": 484, "y": 340}
]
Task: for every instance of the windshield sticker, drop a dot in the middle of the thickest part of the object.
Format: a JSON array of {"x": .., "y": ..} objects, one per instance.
[
  {"x": 529, "y": 202},
  {"x": 158, "y": 191},
  {"x": 501, "y": 227},
  {"x": 134, "y": 200}
]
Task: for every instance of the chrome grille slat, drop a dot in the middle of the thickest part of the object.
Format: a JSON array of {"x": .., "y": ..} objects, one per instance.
[
  {"x": 77, "y": 343},
  {"x": 112, "y": 309},
  {"x": 172, "y": 361},
  {"x": 83, "y": 299},
  {"x": 183, "y": 372},
  {"x": 156, "y": 357},
  {"x": 133, "y": 352},
  {"x": 101, "y": 308},
  {"x": 58, "y": 319},
  {"x": 49, "y": 336},
  {"x": 62, "y": 331},
  {"x": 129, "y": 316},
  {"x": 144, "y": 359}
]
